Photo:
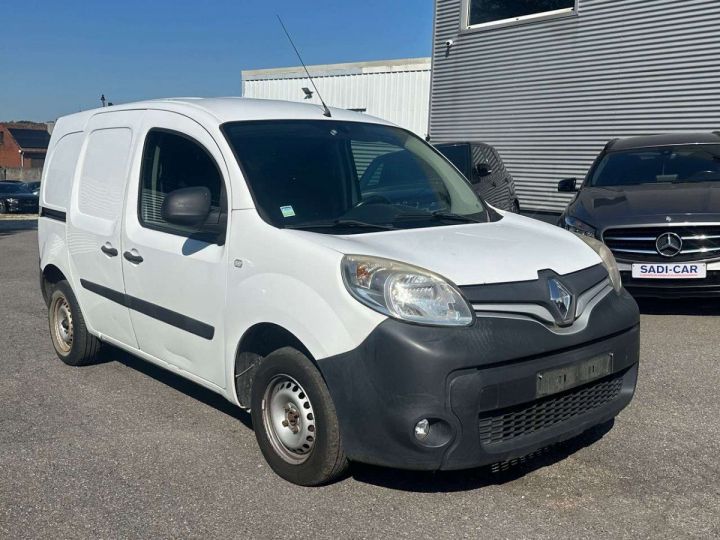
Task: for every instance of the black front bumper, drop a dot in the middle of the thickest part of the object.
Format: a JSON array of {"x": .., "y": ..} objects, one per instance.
[{"x": 477, "y": 386}]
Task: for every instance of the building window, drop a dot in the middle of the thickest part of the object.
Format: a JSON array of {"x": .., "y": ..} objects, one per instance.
[{"x": 483, "y": 13}]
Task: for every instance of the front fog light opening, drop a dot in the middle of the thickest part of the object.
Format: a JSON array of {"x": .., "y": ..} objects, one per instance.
[
  {"x": 422, "y": 429},
  {"x": 433, "y": 432}
]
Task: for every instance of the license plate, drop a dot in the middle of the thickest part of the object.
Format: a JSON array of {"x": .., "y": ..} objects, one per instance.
[
  {"x": 669, "y": 271},
  {"x": 557, "y": 380}
]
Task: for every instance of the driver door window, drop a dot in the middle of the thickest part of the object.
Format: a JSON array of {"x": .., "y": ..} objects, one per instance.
[{"x": 172, "y": 161}]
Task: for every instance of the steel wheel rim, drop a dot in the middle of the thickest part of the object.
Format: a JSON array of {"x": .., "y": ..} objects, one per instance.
[
  {"x": 289, "y": 419},
  {"x": 62, "y": 322}
]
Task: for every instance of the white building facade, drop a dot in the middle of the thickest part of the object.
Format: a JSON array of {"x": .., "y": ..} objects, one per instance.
[{"x": 395, "y": 90}]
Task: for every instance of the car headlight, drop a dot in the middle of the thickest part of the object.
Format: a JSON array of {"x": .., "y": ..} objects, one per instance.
[
  {"x": 405, "y": 292},
  {"x": 608, "y": 260},
  {"x": 573, "y": 224}
]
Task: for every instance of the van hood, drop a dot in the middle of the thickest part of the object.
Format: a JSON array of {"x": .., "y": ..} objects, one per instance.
[{"x": 513, "y": 248}]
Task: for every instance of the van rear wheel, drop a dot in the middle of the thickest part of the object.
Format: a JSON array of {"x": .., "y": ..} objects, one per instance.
[
  {"x": 73, "y": 344},
  {"x": 295, "y": 421}
]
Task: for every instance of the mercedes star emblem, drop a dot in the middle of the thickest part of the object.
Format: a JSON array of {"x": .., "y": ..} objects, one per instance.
[{"x": 668, "y": 244}]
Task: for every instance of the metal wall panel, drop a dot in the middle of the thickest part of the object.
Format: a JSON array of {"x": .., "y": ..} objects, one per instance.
[
  {"x": 400, "y": 95},
  {"x": 549, "y": 94}
]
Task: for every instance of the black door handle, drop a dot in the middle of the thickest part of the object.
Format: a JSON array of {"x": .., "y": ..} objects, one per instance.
[
  {"x": 108, "y": 250},
  {"x": 135, "y": 259}
]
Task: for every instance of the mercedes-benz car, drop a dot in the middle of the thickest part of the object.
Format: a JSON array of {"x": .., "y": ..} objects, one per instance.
[{"x": 655, "y": 202}]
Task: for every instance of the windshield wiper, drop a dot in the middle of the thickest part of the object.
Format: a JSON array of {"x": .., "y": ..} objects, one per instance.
[
  {"x": 456, "y": 217},
  {"x": 441, "y": 214},
  {"x": 340, "y": 223}
]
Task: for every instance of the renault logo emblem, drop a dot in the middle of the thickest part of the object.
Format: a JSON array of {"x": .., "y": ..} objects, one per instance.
[
  {"x": 562, "y": 299},
  {"x": 668, "y": 244}
]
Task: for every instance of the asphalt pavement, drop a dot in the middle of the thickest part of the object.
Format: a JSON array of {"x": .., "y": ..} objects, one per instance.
[{"x": 124, "y": 449}]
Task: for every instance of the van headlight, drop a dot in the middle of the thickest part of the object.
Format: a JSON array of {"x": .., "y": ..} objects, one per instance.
[
  {"x": 405, "y": 292},
  {"x": 608, "y": 260}
]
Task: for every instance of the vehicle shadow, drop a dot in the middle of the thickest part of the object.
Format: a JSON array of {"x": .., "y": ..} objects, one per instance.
[
  {"x": 413, "y": 481},
  {"x": 187, "y": 387},
  {"x": 497, "y": 474},
  {"x": 680, "y": 306}
]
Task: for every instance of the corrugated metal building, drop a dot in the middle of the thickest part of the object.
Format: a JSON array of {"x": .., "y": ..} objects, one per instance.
[
  {"x": 549, "y": 89},
  {"x": 396, "y": 90}
]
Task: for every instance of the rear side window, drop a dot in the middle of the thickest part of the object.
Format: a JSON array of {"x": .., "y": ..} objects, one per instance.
[
  {"x": 60, "y": 171},
  {"x": 173, "y": 161},
  {"x": 104, "y": 172}
]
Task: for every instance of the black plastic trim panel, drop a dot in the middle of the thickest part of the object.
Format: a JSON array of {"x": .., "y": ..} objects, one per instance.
[
  {"x": 160, "y": 313},
  {"x": 57, "y": 215},
  {"x": 536, "y": 290}
]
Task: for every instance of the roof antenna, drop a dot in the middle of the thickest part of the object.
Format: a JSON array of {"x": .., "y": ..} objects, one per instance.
[{"x": 326, "y": 111}]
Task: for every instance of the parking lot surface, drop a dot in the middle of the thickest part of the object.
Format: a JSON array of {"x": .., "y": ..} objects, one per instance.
[{"x": 125, "y": 449}]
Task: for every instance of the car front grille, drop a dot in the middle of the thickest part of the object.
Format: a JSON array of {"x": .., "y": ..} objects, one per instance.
[
  {"x": 548, "y": 412},
  {"x": 699, "y": 242}
]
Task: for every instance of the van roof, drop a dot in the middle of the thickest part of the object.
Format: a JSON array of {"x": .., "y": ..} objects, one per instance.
[{"x": 231, "y": 109}]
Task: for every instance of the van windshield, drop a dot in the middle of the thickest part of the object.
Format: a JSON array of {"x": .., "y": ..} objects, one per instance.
[
  {"x": 662, "y": 165},
  {"x": 347, "y": 177}
]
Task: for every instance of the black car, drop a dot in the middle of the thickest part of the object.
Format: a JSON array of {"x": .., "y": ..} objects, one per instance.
[
  {"x": 33, "y": 187},
  {"x": 655, "y": 202},
  {"x": 482, "y": 165},
  {"x": 15, "y": 198}
]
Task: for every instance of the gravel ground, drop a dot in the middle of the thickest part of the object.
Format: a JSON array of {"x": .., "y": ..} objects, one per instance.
[{"x": 124, "y": 449}]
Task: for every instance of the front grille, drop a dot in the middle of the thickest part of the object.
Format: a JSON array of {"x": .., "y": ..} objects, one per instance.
[
  {"x": 699, "y": 242},
  {"x": 547, "y": 412}
]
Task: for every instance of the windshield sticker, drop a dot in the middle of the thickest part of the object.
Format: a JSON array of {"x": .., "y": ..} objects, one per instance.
[{"x": 287, "y": 211}]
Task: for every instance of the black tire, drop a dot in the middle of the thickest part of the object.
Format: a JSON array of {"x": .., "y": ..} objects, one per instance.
[
  {"x": 73, "y": 344},
  {"x": 325, "y": 460}
]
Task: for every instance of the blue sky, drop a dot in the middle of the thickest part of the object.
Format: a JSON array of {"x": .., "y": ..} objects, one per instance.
[{"x": 57, "y": 57}]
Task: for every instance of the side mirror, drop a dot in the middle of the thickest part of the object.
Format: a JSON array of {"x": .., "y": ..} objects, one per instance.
[
  {"x": 482, "y": 169},
  {"x": 187, "y": 206},
  {"x": 568, "y": 185}
]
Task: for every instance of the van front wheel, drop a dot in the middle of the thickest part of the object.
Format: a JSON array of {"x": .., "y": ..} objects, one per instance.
[
  {"x": 295, "y": 421},
  {"x": 73, "y": 343}
]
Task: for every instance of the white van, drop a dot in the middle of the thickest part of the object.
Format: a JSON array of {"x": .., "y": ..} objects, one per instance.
[{"x": 378, "y": 314}]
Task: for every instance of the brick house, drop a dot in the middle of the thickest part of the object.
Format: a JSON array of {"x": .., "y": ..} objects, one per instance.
[{"x": 23, "y": 145}]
